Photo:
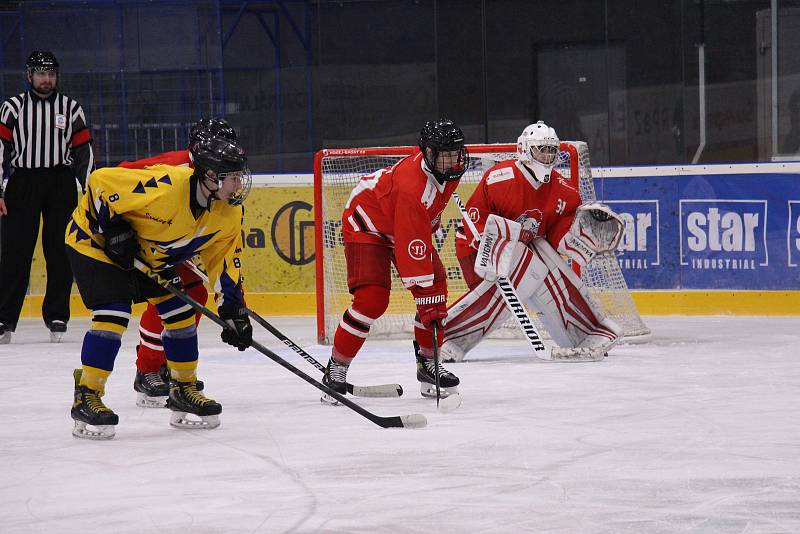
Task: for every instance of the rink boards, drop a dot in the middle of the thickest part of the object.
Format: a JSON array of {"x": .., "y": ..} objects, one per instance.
[{"x": 699, "y": 239}]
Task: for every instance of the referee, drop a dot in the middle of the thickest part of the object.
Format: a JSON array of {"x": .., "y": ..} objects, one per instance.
[{"x": 44, "y": 146}]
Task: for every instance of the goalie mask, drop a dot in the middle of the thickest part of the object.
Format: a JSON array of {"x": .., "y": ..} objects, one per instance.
[
  {"x": 442, "y": 145},
  {"x": 230, "y": 179},
  {"x": 537, "y": 149}
]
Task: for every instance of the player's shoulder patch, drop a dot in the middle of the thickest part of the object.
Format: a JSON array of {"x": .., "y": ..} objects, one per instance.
[{"x": 500, "y": 175}]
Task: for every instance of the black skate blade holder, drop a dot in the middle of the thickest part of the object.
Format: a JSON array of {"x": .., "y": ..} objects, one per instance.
[{"x": 398, "y": 421}]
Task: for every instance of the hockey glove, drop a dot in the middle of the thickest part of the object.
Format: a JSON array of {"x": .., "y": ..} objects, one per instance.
[
  {"x": 121, "y": 244},
  {"x": 431, "y": 304},
  {"x": 240, "y": 333}
]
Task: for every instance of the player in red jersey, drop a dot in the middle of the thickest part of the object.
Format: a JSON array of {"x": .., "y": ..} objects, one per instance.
[
  {"x": 529, "y": 194},
  {"x": 389, "y": 219},
  {"x": 152, "y": 377}
]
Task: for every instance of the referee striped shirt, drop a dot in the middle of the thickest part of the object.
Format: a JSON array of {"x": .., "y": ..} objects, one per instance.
[{"x": 39, "y": 133}]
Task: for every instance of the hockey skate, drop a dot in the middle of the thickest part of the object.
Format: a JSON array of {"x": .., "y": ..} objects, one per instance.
[
  {"x": 151, "y": 390},
  {"x": 5, "y": 334},
  {"x": 57, "y": 330},
  {"x": 336, "y": 379},
  {"x": 88, "y": 409},
  {"x": 426, "y": 374},
  {"x": 184, "y": 399},
  {"x": 166, "y": 377}
]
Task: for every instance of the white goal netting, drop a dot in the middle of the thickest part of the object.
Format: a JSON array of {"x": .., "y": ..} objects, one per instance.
[{"x": 337, "y": 171}]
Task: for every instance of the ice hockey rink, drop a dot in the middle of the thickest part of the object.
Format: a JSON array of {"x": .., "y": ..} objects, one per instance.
[{"x": 697, "y": 431}]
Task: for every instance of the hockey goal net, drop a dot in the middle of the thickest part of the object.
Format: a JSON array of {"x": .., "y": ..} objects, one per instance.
[{"x": 336, "y": 172}]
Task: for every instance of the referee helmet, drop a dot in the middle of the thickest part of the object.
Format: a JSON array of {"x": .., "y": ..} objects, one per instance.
[{"x": 41, "y": 60}]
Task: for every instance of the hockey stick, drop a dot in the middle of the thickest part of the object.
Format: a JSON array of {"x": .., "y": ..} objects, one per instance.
[
  {"x": 379, "y": 390},
  {"x": 453, "y": 400},
  {"x": 398, "y": 421},
  {"x": 540, "y": 350},
  {"x": 435, "y": 328}
]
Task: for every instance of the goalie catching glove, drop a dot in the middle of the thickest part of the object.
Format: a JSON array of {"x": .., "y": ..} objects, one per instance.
[
  {"x": 240, "y": 333},
  {"x": 595, "y": 230}
]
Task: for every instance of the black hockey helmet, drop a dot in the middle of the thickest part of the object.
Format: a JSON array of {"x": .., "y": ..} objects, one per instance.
[
  {"x": 224, "y": 157},
  {"x": 443, "y": 135},
  {"x": 211, "y": 127},
  {"x": 42, "y": 60}
]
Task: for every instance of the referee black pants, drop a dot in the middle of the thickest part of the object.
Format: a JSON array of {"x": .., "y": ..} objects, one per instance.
[{"x": 33, "y": 193}]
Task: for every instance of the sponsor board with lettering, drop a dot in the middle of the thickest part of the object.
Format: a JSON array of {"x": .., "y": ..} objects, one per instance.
[
  {"x": 713, "y": 231},
  {"x": 682, "y": 231}
]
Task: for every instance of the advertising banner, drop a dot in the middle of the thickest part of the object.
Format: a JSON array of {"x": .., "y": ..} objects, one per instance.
[{"x": 708, "y": 231}]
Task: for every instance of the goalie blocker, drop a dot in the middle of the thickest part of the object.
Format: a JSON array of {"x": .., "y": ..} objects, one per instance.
[{"x": 542, "y": 280}]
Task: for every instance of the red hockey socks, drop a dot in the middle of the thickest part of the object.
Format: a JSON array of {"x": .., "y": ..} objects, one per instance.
[{"x": 369, "y": 303}]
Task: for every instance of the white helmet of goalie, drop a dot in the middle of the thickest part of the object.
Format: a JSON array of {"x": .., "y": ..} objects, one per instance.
[{"x": 537, "y": 149}]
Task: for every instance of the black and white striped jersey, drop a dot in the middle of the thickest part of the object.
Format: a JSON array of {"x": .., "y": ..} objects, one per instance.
[{"x": 39, "y": 133}]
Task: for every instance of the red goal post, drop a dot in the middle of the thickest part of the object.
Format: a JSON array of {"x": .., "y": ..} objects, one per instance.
[{"x": 336, "y": 172}]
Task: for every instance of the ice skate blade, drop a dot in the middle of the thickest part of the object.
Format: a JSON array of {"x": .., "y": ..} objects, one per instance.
[
  {"x": 328, "y": 400},
  {"x": 429, "y": 390},
  {"x": 55, "y": 337},
  {"x": 145, "y": 401},
  {"x": 5, "y": 339},
  {"x": 98, "y": 432},
  {"x": 205, "y": 422},
  {"x": 450, "y": 403}
]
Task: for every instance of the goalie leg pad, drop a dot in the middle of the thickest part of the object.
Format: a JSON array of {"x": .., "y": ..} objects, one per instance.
[
  {"x": 471, "y": 318},
  {"x": 482, "y": 310},
  {"x": 568, "y": 311}
]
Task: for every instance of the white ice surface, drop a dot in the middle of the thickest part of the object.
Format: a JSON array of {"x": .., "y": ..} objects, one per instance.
[{"x": 698, "y": 431}]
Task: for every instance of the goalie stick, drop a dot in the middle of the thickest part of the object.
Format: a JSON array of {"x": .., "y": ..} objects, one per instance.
[
  {"x": 540, "y": 349},
  {"x": 398, "y": 421},
  {"x": 378, "y": 390}
]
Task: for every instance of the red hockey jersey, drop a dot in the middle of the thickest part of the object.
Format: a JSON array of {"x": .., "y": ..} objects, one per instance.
[
  {"x": 509, "y": 190},
  {"x": 400, "y": 206},
  {"x": 177, "y": 158}
]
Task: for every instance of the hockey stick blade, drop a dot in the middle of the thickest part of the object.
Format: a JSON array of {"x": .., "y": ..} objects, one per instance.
[
  {"x": 415, "y": 420},
  {"x": 400, "y": 421},
  {"x": 450, "y": 403},
  {"x": 378, "y": 390}
]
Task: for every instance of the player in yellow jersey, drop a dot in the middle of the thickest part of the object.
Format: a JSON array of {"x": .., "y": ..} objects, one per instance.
[{"x": 162, "y": 215}]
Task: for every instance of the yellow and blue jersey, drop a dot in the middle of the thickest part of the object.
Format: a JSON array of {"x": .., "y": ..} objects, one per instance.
[{"x": 157, "y": 203}]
